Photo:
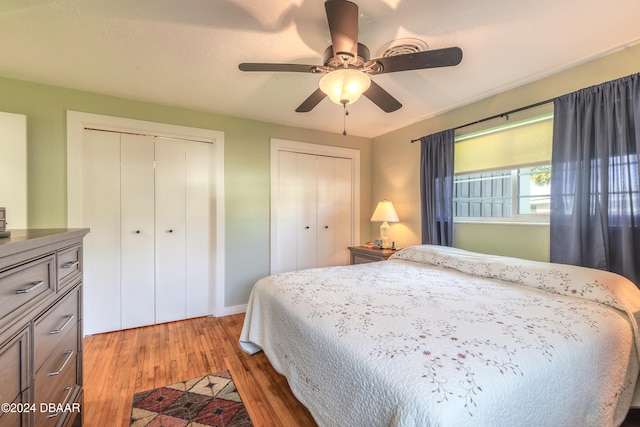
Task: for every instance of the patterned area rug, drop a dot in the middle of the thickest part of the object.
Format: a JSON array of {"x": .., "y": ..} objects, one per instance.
[{"x": 211, "y": 400}]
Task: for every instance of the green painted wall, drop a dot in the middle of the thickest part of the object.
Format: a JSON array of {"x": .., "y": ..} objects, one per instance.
[
  {"x": 529, "y": 241},
  {"x": 246, "y": 166}
]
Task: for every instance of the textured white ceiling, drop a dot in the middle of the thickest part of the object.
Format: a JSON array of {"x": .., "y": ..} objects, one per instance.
[{"x": 185, "y": 52}]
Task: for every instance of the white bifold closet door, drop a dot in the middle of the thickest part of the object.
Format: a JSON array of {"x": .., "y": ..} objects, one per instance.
[
  {"x": 137, "y": 231},
  {"x": 147, "y": 202},
  {"x": 314, "y": 212},
  {"x": 182, "y": 229},
  {"x": 335, "y": 211}
]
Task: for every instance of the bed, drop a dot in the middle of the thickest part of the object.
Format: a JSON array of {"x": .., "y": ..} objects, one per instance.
[{"x": 438, "y": 336}]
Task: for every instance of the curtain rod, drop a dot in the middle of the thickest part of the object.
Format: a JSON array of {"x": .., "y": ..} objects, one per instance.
[{"x": 497, "y": 116}]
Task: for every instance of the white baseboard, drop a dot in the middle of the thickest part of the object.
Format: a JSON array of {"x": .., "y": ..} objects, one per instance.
[{"x": 236, "y": 309}]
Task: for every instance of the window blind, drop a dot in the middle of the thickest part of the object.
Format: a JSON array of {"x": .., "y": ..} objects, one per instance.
[{"x": 523, "y": 143}]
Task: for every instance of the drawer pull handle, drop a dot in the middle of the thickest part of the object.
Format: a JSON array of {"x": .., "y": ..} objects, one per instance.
[
  {"x": 70, "y": 264},
  {"x": 69, "y": 353},
  {"x": 68, "y": 389},
  {"x": 69, "y": 318},
  {"x": 31, "y": 287}
]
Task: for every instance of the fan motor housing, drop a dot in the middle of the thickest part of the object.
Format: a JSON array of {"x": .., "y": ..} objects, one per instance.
[{"x": 333, "y": 61}]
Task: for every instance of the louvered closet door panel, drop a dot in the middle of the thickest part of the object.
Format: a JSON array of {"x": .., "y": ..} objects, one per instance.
[
  {"x": 198, "y": 205},
  {"x": 343, "y": 210},
  {"x": 137, "y": 231},
  {"x": 307, "y": 210},
  {"x": 170, "y": 230},
  {"x": 101, "y": 212},
  {"x": 326, "y": 200},
  {"x": 286, "y": 213}
]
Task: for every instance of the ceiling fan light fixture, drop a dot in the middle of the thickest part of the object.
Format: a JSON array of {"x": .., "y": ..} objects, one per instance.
[
  {"x": 347, "y": 64},
  {"x": 344, "y": 86}
]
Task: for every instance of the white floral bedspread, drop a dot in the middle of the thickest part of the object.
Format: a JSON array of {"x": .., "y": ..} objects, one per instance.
[{"x": 443, "y": 337}]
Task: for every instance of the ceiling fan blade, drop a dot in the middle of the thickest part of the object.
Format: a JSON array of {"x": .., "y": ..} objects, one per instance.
[
  {"x": 295, "y": 68},
  {"x": 382, "y": 98},
  {"x": 446, "y": 57},
  {"x": 342, "y": 16},
  {"x": 310, "y": 103}
]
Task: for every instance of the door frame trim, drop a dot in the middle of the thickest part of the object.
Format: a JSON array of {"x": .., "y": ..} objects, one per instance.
[
  {"x": 78, "y": 121},
  {"x": 277, "y": 145}
]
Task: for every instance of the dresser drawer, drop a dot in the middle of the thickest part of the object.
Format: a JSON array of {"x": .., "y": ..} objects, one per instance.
[
  {"x": 23, "y": 283},
  {"x": 52, "y": 327},
  {"x": 55, "y": 392},
  {"x": 56, "y": 380},
  {"x": 69, "y": 265},
  {"x": 17, "y": 418},
  {"x": 14, "y": 375},
  {"x": 359, "y": 259}
]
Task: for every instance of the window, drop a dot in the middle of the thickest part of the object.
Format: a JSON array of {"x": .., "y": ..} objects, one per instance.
[
  {"x": 502, "y": 174},
  {"x": 534, "y": 194},
  {"x": 520, "y": 194},
  {"x": 483, "y": 195}
]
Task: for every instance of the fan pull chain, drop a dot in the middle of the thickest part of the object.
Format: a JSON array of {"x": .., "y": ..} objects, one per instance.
[{"x": 344, "y": 119}]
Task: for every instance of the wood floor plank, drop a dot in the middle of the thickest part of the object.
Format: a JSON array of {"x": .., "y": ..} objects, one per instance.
[{"x": 119, "y": 364}]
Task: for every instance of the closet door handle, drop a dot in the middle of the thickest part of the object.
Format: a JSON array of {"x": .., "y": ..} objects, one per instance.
[
  {"x": 326, "y": 226},
  {"x": 137, "y": 231},
  {"x": 307, "y": 227},
  {"x": 170, "y": 230}
]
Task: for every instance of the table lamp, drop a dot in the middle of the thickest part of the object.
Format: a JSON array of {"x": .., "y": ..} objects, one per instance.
[{"x": 384, "y": 213}]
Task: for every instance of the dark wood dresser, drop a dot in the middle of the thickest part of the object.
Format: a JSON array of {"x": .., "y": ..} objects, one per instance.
[{"x": 41, "y": 327}]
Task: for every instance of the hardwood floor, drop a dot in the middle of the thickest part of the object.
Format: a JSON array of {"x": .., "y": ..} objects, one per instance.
[{"x": 119, "y": 364}]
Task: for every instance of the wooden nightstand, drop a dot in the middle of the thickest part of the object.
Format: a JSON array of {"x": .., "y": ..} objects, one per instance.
[{"x": 362, "y": 254}]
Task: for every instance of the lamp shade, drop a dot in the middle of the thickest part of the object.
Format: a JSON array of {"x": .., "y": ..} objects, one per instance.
[
  {"x": 344, "y": 86},
  {"x": 384, "y": 212}
]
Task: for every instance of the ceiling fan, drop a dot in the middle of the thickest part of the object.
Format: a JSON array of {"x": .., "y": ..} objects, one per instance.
[{"x": 347, "y": 66}]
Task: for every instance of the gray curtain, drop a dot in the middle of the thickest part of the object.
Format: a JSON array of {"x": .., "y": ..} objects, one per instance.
[
  {"x": 595, "y": 183},
  {"x": 436, "y": 188}
]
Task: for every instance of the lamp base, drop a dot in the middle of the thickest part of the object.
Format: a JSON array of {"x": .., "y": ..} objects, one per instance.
[{"x": 384, "y": 235}]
